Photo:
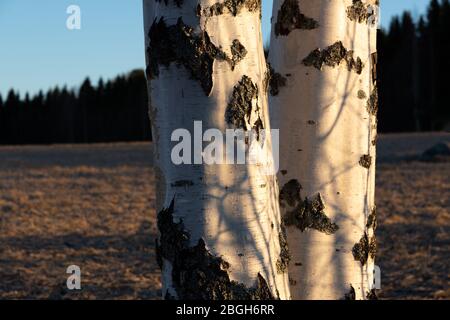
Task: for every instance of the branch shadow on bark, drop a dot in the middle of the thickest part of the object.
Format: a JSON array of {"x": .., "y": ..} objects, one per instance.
[{"x": 336, "y": 264}]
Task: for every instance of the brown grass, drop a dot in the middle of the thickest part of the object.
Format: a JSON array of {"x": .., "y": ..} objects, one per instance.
[{"x": 91, "y": 205}]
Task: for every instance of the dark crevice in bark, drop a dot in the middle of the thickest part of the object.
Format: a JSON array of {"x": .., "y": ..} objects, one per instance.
[
  {"x": 290, "y": 18},
  {"x": 239, "y": 109},
  {"x": 372, "y": 221},
  {"x": 362, "y": 94},
  {"x": 180, "y": 44},
  {"x": 290, "y": 193},
  {"x": 307, "y": 214},
  {"x": 372, "y": 295},
  {"x": 361, "y": 12},
  {"x": 351, "y": 294},
  {"x": 258, "y": 126},
  {"x": 374, "y": 61},
  {"x": 273, "y": 81},
  {"x": 332, "y": 56},
  {"x": 285, "y": 257},
  {"x": 375, "y": 140},
  {"x": 372, "y": 102},
  {"x": 364, "y": 249},
  {"x": 196, "y": 273},
  {"x": 238, "y": 53},
  {"x": 365, "y": 161},
  {"x": 233, "y": 7}
]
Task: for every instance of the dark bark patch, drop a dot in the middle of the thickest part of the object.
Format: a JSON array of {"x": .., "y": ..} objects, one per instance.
[
  {"x": 361, "y": 94},
  {"x": 374, "y": 61},
  {"x": 290, "y": 193},
  {"x": 178, "y": 3},
  {"x": 273, "y": 81},
  {"x": 332, "y": 56},
  {"x": 257, "y": 127},
  {"x": 238, "y": 53},
  {"x": 310, "y": 214},
  {"x": 290, "y": 18},
  {"x": 233, "y": 7},
  {"x": 372, "y": 221},
  {"x": 375, "y": 140},
  {"x": 307, "y": 214},
  {"x": 196, "y": 273},
  {"x": 365, "y": 161},
  {"x": 285, "y": 257},
  {"x": 239, "y": 108},
  {"x": 179, "y": 44},
  {"x": 372, "y": 295},
  {"x": 364, "y": 249},
  {"x": 173, "y": 236},
  {"x": 372, "y": 103},
  {"x": 360, "y": 12},
  {"x": 373, "y": 247},
  {"x": 351, "y": 294}
]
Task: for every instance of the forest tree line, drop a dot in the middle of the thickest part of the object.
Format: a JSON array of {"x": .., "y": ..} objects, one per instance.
[
  {"x": 111, "y": 111},
  {"x": 413, "y": 70}
]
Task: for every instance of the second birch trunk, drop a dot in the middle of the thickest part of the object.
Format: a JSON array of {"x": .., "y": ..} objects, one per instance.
[{"x": 324, "y": 100}]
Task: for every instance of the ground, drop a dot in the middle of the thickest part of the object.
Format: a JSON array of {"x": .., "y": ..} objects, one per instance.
[{"x": 92, "y": 206}]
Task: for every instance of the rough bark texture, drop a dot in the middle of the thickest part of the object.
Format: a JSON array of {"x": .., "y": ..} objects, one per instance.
[
  {"x": 274, "y": 81},
  {"x": 332, "y": 57},
  {"x": 233, "y": 7},
  {"x": 306, "y": 214},
  {"x": 360, "y": 11},
  {"x": 221, "y": 235},
  {"x": 327, "y": 121},
  {"x": 290, "y": 17},
  {"x": 179, "y": 44},
  {"x": 240, "y": 107},
  {"x": 196, "y": 273}
]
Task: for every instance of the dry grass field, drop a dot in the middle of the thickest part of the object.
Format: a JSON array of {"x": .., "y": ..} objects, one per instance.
[{"x": 91, "y": 205}]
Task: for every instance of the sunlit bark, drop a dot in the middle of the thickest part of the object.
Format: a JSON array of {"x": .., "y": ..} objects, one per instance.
[
  {"x": 220, "y": 223},
  {"x": 323, "y": 56}
]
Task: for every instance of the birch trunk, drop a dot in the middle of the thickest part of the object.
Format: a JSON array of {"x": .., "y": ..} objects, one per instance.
[
  {"x": 220, "y": 233},
  {"x": 324, "y": 100}
]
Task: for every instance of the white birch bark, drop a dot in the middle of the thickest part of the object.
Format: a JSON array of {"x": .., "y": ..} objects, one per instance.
[
  {"x": 327, "y": 136},
  {"x": 233, "y": 208}
]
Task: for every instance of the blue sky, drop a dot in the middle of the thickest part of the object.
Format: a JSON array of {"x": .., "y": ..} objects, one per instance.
[{"x": 37, "y": 51}]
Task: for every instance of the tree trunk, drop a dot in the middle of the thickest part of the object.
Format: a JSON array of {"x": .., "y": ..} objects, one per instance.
[
  {"x": 324, "y": 100},
  {"x": 220, "y": 227}
]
